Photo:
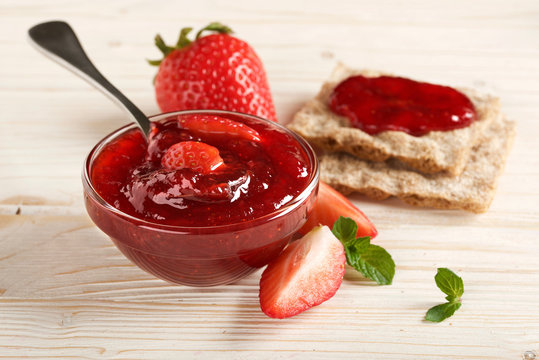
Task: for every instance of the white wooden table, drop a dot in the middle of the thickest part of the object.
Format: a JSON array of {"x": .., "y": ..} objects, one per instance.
[{"x": 66, "y": 292}]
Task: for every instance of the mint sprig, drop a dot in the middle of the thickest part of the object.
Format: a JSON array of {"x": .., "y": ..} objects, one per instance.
[
  {"x": 452, "y": 285},
  {"x": 373, "y": 261}
]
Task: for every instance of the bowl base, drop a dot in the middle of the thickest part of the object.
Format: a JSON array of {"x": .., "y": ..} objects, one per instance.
[{"x": 200, "y": 272}]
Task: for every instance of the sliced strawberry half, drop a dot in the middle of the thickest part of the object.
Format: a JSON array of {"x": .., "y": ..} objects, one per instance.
[
  {"x": 307, "y": 273},
  {"x": 216, "y": 125},
  {"x": 330, "y": 205},
  {"x": 198, "y": 156}
]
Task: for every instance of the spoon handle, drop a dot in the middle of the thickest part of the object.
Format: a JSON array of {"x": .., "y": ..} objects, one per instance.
[{"x": 57, "y": 40}]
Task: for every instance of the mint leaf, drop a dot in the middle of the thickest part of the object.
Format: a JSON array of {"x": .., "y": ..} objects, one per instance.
[
  {"x": 441, "y": 312},
  {"x": 356, "y": 247},
  {"x": 376, "y": 264},
  {"x": 373, "y": 261},
  {"x": 449, "y": 283},
  {"x": 345, "y": 229}
]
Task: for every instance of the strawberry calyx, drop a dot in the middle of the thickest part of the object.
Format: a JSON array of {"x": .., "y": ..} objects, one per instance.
[
  {"x": 184, "y": 41},
  {"x": 215, "y": 26}
]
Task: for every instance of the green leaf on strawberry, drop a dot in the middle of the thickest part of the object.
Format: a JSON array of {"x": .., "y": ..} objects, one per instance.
[
  {"x": 373, "y": 261},
  {"x": 217, "y": 27}
]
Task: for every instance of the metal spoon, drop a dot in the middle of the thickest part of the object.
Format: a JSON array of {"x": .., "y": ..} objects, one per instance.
[{"x": 57, "y": 40}]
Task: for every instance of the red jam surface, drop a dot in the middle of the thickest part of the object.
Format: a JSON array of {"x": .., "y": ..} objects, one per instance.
[
  {"x": 376, "y": 104},
  {"x": 258, "y": 178}
]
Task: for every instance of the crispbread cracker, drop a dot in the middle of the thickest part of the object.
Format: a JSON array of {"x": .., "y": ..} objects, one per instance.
[
  {"x": 472, "y": 190},
  {"x": 436, "y": 151}
]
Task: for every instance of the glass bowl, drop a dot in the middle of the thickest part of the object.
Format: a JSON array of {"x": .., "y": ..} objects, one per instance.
[{"x": 203, "y": 255}]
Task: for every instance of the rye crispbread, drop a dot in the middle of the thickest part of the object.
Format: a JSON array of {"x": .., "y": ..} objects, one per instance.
[
  {"x": 472, "y": 190},
  {"x": 434, "y": 152}
]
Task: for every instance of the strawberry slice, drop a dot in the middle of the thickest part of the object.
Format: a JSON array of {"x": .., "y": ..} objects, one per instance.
[
  {"x": 216, "y": 125},
  {"x": 330, "y": 205},
  {"x": 307, "y": 273},
  {"x": 194, "y": 155}
]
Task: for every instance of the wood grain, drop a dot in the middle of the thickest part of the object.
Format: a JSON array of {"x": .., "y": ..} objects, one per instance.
[{"x": 67, "y": 292}]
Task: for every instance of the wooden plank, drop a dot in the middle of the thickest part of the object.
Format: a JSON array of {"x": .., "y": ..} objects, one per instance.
[
  {"x": 118, "y": 329},
  {"x": 66, "y": 287}
]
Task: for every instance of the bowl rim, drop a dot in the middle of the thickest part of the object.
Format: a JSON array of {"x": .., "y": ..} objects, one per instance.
[{"x": 282, "y": 211}]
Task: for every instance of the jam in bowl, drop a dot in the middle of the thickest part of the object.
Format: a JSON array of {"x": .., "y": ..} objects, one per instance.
[{"x": 208, "y": 199}]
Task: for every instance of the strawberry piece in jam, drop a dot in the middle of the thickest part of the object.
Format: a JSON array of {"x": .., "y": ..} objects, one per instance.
[
  {"x": 216, "y": 126},
  {"x": 376, "y": 104},
  {"x": 200, "y": 157}
]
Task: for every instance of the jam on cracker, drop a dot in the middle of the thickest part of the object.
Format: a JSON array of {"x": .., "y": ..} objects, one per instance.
[{"x": 377, "y": 104}]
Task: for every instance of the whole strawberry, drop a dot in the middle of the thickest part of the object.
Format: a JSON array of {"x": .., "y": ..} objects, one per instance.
[{"x": 216, "y": 71}]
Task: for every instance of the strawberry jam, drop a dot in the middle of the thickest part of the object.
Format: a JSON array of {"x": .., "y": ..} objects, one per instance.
[
  {"x": 258, "y": 177},
  {"x": 376, "y": 104},
  {"x": 207, "y": 200}
]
